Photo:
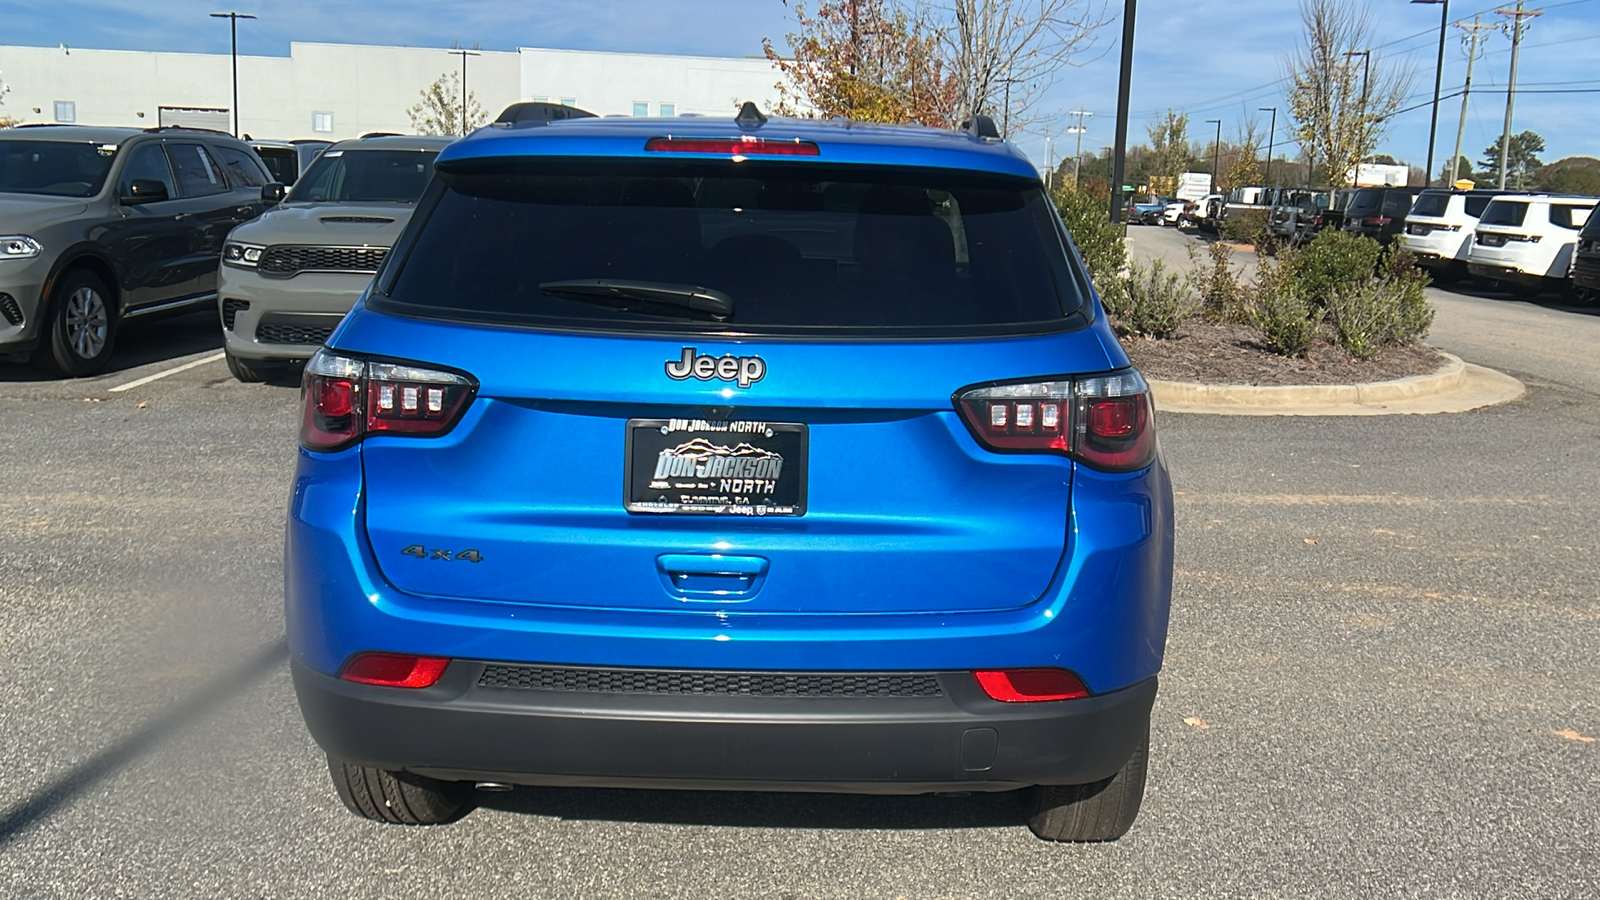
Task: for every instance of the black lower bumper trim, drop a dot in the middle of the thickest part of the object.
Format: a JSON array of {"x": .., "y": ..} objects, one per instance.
[{"x": 959, "y": 740}]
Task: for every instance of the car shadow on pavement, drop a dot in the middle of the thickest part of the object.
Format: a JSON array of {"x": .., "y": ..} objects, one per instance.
[
  {"x": 1547, "y": 300},
  {"x": 85, "y": 777},
  {"x": 141, "y": 343},
  {"x": 757, "y": 809}
]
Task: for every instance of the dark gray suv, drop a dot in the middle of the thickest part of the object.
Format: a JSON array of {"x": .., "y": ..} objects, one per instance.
[{"x": 102, "y": 225}]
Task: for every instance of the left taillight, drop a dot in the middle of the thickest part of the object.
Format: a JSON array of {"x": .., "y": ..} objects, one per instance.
[
  {"x": 346, "y": 398},
  {"x": 1104, "y": 421}
]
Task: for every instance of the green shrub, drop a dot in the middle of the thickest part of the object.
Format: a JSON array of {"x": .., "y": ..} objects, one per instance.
[
  {"x": 1101, "y": 243},
  {"x": 1157, "y": 301},
  {"x": 1246, "y": 226},
  {"x": 1384, "y": 309},
  {"x": 1286, "y": 322},
  {"x": 1221, "y": 294},
  {"x": 1334, "y": 263}
]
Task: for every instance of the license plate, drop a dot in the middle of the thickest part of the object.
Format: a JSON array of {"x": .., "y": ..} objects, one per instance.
[
  {"x": 1419, "y": 230},
  {"x": 1492, "y": 240},
  {"x": 698, "y": 467}
]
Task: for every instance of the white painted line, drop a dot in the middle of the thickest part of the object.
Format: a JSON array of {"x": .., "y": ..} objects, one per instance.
[{"x": 141, "y": 382}]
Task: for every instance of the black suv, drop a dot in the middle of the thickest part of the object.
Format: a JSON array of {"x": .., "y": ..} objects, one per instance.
[
  {"x": 1380, "y": 213},
  {"x": 98, "y": 225},
  {"x": 1586, "y": 262}
]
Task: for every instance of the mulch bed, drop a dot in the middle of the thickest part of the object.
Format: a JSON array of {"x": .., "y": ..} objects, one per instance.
[{"x": 1230, "y": 354}]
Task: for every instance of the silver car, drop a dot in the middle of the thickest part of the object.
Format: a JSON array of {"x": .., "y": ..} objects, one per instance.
[{"x": 291, "y": 275}]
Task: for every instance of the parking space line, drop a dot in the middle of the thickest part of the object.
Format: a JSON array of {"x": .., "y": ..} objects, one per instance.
[{"x": 140, "y": 382}]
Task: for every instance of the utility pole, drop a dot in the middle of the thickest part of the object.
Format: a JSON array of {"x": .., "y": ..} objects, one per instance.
[
  {"x": 233, "y": 28},
  {"x": 463, "y": 54},
  {"x": 1517, "y": 27},
  {"x": 1077, "y": 157},
  {"x": 1272, "y": 137},
  {"x": 1438, "y": 76},
  {"x": 1472, "y": 57},
  {"x": 1216, "y": 155},
  {"x": 1120, "y": 161}
]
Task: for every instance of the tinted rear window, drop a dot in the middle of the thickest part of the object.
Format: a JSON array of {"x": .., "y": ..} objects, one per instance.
[
  {"x": 1363, "y": 201},
  {"x": 282, "y": 162},
  {"x": 793, "y": 246},
  {"x": 1504, "y": 212},
  {"x": 1431, "y": 204}
]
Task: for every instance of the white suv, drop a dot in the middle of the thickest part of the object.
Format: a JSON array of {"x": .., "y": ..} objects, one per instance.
[
  {"x": 1440, "y": 227},
  {"x": 1525, "y": 243}
]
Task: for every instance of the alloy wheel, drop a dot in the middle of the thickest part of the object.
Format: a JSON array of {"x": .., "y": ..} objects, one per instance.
[{"x": 87, "y": 322}]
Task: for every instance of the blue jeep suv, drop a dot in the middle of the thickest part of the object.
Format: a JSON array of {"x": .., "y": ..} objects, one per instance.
[{"x": 743, "y": 454}]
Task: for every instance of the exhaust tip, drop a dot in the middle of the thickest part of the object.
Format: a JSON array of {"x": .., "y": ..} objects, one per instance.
[{"x": 493, "y": 786}]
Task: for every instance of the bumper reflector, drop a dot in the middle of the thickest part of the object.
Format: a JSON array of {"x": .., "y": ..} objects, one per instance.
[
  {"x": 1030, "y": 685},
  {"x": 394, "y": 669}
]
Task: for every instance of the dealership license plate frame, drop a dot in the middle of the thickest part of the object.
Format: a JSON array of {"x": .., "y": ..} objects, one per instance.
[{"x": 647, "y": 438}]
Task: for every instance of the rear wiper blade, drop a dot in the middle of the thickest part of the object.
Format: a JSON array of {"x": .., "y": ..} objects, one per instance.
[{"x": 623, "y": 294}]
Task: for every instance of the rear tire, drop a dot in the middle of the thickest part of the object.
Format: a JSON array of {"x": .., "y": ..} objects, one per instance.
[
  {"x": 253, "y": 372},
  {"x": 1102, "y": 811},
  {"x": 82, "y": 327},
  {"x": 398, "y": 798}
]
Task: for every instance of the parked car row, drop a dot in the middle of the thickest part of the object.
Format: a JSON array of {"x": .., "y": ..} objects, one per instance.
[
  {"x": 99, "y": 226},
  {"x": 1518, "y": 241}
]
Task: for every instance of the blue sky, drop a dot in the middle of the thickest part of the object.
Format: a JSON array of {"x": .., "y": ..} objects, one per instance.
[{"x": 1210, "y": 58}]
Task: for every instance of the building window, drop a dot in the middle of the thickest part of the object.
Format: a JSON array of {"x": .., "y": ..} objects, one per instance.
[
  {"x": 322, "y": 122},
  {"x": 569, "y": 101},
  {"x": 540, "y": 99},
  {"x": 641, "y": 109},
  {"x": 66, "y": 110},
  {"x": 669, "y": 109}
]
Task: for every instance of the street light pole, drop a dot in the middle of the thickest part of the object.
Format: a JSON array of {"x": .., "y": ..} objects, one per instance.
[
  {"x": 233, "y": 29},
  {"x": 1216, "y": 155},
  {"x": 463, "y": 54},
  {"x": 1366, "y": 71},
  {"x": 1272, "y": 137},
  {"x": 1120, "y": 160},
  {"x": 1438, "y": 76}
]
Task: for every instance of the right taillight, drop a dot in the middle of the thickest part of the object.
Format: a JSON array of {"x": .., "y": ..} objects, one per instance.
[
  {"x": 346, "y": 398},
  {"x": 1104, "y": 421}
]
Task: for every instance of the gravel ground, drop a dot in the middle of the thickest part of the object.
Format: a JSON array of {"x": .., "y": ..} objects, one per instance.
[{"x": 1381, "y": 677}]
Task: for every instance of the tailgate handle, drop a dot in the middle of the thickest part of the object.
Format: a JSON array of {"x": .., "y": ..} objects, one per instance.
[{"x": 711, "y": 576}]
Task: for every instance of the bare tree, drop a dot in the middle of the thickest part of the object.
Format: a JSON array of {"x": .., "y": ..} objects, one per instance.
[
  {"x": 439, "y": 111},
  {"x": 5, "y": 120},
  {"x": 1005, "y": 54},
  {"x": 1342, "y": 92},
  {"x": 1241, "y": 163}
]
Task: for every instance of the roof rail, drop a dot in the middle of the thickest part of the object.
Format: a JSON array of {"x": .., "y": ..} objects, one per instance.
[
  {"x": 981, "y": 126},
  {"x": 165, "y": 128}
]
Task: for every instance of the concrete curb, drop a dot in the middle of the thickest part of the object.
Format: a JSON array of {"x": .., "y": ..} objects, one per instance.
[{"x": 1456, "y": 387}]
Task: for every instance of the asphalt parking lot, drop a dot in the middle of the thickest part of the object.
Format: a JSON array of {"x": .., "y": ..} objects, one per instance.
[{"x": 1381, "y": 681}]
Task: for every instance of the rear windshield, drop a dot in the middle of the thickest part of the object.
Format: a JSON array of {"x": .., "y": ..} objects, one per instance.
[
  {"x": 791, "y": 246},
  {"x": 356, "y": 176},
  {"x": 1476, "y": 203},
  {"x": 59, "y": 168},
  {"x": 1364, "y": 200},
  {"x": 1431, "y": 204},
  {"x": 1504, "y": 212}
]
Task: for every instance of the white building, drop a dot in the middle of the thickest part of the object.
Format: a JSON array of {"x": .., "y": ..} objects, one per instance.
[{"x": 338, "y": 91}]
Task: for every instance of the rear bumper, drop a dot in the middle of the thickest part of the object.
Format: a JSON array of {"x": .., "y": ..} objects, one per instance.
[{"x": 962, "y": 740}]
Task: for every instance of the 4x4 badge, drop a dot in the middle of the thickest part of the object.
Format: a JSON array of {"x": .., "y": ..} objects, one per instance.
[{"x": 746, "y": 370}]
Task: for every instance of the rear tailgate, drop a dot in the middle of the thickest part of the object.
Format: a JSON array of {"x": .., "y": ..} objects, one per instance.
[{"x": 902, "y": 510}]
